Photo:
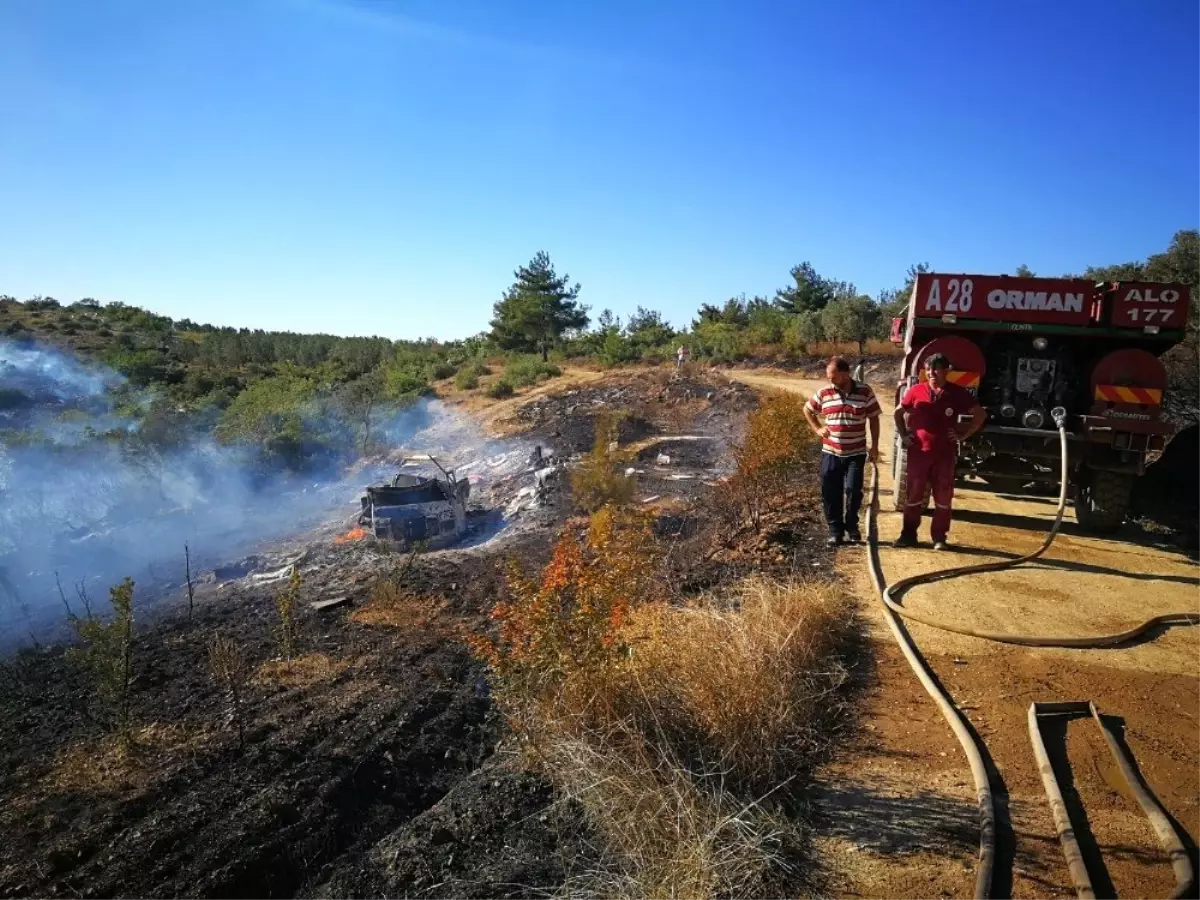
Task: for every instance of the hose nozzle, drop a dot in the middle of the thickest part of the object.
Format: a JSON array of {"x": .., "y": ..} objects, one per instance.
[{"x": 1059, "y": 414}]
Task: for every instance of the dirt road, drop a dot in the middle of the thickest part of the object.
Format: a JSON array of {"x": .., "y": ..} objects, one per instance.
[{"x": 897, "y": 816}]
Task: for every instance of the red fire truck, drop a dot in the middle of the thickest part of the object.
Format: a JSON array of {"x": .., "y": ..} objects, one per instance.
[{"x": 1025, "y": 346}]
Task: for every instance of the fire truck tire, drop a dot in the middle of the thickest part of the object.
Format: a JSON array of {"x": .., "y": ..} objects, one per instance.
[
  {"x": 899, "y": 475},
  {"x": 1102, "y": 500},
  {"x": 900, "y": 478}
]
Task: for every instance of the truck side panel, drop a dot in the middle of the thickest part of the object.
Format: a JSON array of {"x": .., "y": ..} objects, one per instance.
[{"x": 998, "y": 298}]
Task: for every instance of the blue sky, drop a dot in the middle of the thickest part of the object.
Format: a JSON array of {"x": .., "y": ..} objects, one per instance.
[{"x": 381, "y": 167}]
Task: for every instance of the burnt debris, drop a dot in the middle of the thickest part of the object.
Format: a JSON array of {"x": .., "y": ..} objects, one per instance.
[{"x": 415, "y": 507}]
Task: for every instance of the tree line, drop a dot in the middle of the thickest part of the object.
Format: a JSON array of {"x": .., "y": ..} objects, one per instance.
[{"x": 302, "y": 396}]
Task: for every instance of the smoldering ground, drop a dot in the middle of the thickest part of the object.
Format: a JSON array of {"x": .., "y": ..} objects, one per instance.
[{"x": 87, "y": 497}]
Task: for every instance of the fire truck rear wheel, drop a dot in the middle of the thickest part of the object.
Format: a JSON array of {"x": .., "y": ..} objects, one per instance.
[
  {"x": 899, "y": 475},
  {"x": 1102, "y": 500}
]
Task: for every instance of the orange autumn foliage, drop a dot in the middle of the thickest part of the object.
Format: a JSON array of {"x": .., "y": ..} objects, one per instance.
[
  {"x": 569, "y": 619},
  {"x": 770, "y": 457}
]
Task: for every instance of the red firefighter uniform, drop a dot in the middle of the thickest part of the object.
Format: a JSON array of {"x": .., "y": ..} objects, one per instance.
[{"x": 932, "y": 416}]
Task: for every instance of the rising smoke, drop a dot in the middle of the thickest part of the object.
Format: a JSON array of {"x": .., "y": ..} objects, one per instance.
[{"x": 80, "y": 496}]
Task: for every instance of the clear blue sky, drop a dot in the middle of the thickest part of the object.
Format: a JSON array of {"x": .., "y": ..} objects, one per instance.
[{"x": 379, "y": 166}]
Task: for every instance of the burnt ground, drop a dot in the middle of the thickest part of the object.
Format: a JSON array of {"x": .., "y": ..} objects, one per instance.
[{"x": 375, "y": 765}]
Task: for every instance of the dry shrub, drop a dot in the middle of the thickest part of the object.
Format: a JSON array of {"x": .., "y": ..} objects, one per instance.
[
  {"x": 682, "y": 754},
  {"x": 666, "y": 836},
  {"x": 561, "y": 630},
  {"x": 301, "y": 671},
  {"x": 771, "y": 456},
  {"x": 392, "y": 606},
  {"x": 286, "y": 601},
  {"x": 595, "y": 481},
  {"x": 750, "y": 686},
  {"x": 677, "y": 727},
  {"x": 230, "y": 668},
  {"x": 112, "y": 764}
]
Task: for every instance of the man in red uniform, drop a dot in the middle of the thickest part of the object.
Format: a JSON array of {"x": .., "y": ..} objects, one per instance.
[{"x": 927, "y": 423}]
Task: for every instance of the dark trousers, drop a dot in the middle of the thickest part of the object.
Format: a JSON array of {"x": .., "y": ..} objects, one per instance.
[{"x": 842, "y": 475}]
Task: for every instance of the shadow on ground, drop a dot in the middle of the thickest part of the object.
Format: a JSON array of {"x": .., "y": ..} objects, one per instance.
[{"x": 875, "y": 819}]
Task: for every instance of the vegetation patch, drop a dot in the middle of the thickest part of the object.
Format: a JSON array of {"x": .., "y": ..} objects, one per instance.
[
  {"x": 112, "y": 763},
  {"x": 498, "y": 390},
  {"x": 523, "y": 371},
  {"x": 105, "y": 654},
  {"x": 684, "y": 729},
  {"x": 770, "y": 458},
  {"x": 302, "y": 671},
  {"x": 391, "y": 606},
  {"x": 466, "y": 381},
  {"x": 596, "y": 481}
]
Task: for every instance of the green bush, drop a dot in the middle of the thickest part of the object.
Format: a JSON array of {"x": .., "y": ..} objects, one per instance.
[
  {"x": 441, "y": 371},
  {"x": 501, "y": 388},
  {"x": 466, "y": 380},
  {"x": 268, "y": 409},
  {"x": 656, "y": 356},
  {"x": 525, "y": 370},
  {"x": 616, "y": 348},
  {"x": 105, "y": 653},
  {"x": 401, "y": 382}
]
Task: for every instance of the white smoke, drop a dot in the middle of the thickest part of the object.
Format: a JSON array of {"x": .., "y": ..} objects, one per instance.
[
  {"x": 94, "y": 511},
  {"x": 40, "y": 373}
]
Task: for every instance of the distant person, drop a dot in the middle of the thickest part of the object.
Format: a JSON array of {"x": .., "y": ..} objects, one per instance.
[
  {"x": 680, "y": 356},
  {"x": 839, "y": 415},
  {"x": 859, "y": 374},
  {"x": 927, "y": 423}
]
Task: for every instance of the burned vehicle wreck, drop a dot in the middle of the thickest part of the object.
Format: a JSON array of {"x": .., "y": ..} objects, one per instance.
[{"x": 418, "y": 506}]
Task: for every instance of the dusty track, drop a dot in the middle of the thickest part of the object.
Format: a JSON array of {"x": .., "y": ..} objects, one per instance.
[{"x": 897, "y": 816}]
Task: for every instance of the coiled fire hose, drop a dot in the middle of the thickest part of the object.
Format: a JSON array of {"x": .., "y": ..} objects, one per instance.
[{"x": 893, "y": 610}]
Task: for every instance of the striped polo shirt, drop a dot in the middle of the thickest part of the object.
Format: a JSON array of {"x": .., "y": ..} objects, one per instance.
[{"x": 845, "y": 415}]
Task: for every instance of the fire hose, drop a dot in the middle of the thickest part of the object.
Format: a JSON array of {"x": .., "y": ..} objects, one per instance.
[{"x": 958, "y": 724}]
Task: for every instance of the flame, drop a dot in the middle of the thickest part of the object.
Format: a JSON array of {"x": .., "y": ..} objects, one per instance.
[{"x": 357, "y": 533}]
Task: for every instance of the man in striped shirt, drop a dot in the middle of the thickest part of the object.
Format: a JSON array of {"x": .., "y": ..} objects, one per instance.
[{"x": 839, "y": 415}]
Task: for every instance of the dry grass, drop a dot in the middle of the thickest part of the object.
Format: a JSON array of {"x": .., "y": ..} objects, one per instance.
[
  {"x": 112, "y": 764},
  {"x": 666, "y": 835},
  {"x": 302, "y": 671},
  {"x": 391, "y": 606},
  {"x": 683, "y": 754},
  {"x": 751, "y": 685}
]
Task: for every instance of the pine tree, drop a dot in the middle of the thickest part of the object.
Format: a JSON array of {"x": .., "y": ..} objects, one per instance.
[
  {"x": 538, "y": 309},
  {"x": 810, "y": 291}
]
